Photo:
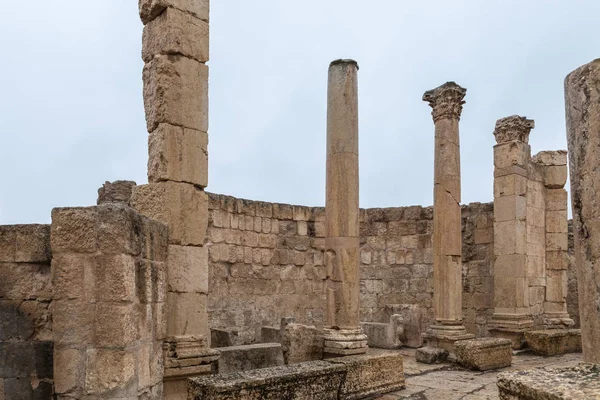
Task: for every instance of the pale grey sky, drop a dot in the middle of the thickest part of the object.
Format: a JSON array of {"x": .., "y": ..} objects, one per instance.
[{"x": 71, "y": 109}]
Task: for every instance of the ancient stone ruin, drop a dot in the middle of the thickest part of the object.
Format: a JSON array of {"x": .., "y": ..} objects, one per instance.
[{"x": 166, "y": 291}]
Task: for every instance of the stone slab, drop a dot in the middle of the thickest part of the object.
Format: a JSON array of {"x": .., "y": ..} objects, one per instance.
[
  {"x": 553, "y": 342},
  {"x": 431, "y": 355},
  {"x": 249, "y": 357},
  {"x": 223, "y": 337},
  {"x": 384, "y": 335},
  {"x": 310, "y": 380},
  {"x": 371, "y": 374},
  {"x": 484, "y": 354},
  {"x": 581, "y": 382}
]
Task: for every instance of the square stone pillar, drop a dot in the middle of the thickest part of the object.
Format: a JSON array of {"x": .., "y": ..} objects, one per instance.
[
  {"x": 175, "y": 48},
  {"x": 582, "y": 98},
  {"x": 553, "y": 166},
  {"x": 512, "y": 156},
  {"x": 446, "y": 102},
  {"x": 108, "y": 310}
]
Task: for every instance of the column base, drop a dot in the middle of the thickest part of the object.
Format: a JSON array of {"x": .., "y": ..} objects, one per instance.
[
  {"x": 187, "y": 356},
  {"x": 344, "y": 342},
  {"x": 557, "y": 320},
  {"x": 511, "y": 326},
  {"x": 443, "y": 336}
]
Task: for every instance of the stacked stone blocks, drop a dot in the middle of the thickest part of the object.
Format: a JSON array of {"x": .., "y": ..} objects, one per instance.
[
  {"x": 26, "y": 342},
  {"x": 175, "y": 49},
  {"x": 109, "y": 286}
]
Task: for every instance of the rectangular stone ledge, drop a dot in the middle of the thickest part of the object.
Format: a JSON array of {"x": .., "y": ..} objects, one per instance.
[
  {"x": 354, "y": 377},
  {"x": 249, "y": 357},
  {"x": 553, "y": 342},
  {"x": 581, "y": 382},
  {"x": 484, "y": 354},
  {"x": 310, "y": 380},
  {"x": 25, "y": 243},
  {"x": 370, "y": 375}
]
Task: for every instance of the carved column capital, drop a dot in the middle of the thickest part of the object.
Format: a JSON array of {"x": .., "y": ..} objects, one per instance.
[
  {"x": 446, "y": 101},
  {"x": 512, "y": 128}
]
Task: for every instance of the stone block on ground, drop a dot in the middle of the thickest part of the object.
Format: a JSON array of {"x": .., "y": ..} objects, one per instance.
[
  {"x": 371, "y": 375},
  {"x": 249, "y": 357},
  {"x": 310, "y": 380},
  {"x": 484, "y": 354},
  {"x": 385, "y": 335},
  {"x": 431, "y": 355},
  {"x": 301, "y": 343},
  {"x": 553, "y": 342},
  {"x": 581, "y": 382}
]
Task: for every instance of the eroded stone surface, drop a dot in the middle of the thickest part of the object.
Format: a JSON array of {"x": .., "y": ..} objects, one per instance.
[
  {"x": 249, "y": 357},
  {"x": 580, "y": 382},
  {"x": 431, "y": 355},
  {"x": 553, "y": 342},
  {"x": 484, "y": 354}
]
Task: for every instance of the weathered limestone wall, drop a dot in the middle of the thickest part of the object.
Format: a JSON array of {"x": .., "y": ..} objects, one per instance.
[
  {"x": 109, "y": 302},
  {"x": 266, "y": 262},
  {"x": 26, "y": 346}
]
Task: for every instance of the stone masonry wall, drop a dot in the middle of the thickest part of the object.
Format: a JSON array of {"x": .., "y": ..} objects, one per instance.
[
  {"x": 109, "y": 280},
  {"x": 266, "y": 262},
  {"x": 26, "y": 347}
]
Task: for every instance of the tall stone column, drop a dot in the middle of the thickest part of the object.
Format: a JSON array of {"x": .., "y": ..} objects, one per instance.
[
  {"x": 553, "y": 165},
  {"x": 175, "y": 50},
  {"x": 582, "y": 98},
  {"x": 446, "y": 102},
  {"x": 512, "y": 156},
  {"x": 343, "y": 334}
]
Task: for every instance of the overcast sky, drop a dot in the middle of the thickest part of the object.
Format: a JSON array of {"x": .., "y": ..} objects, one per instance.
[{"x": 72, "y": 117}]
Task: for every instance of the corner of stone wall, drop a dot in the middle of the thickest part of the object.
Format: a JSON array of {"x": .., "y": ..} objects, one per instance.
[
  {"x": 109, "y": 281},
  {"x": 26, "y": 348}
]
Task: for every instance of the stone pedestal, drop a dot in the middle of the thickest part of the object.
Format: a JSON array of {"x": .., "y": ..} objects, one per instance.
[
  {"x": 446, "y": 102},
  {"x": 552, "y": 342},
  {"x": 582, "y": 97},
  {"x": 512, "y": 155},
  {"x": 343, "y": 334}
]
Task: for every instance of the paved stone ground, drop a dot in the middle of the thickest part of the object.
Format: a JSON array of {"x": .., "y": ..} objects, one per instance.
[{"x": 450, "y": 382}]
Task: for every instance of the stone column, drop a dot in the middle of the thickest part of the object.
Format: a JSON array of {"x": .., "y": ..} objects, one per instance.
[
  {"x": 553, "y": 165},
  {"x": 512, "y": 155},
  {"x": 582, "y": 97},
  {"x": 343, "y": 334},
  {"x": 175, "y": 50},
  {"x": 446, "y": 102}
]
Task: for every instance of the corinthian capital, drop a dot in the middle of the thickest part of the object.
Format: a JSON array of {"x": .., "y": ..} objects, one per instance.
[
  {"x": 512, "y": 128},
  {"x": 446, "y": 101}
]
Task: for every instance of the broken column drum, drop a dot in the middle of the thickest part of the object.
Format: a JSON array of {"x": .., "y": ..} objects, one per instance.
[
  {"x": 343, "y": 334},
  {"x": 446, "y": 102}
]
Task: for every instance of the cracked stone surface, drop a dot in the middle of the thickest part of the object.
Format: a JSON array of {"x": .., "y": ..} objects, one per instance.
[{"x": 449, "y": 382}]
